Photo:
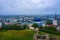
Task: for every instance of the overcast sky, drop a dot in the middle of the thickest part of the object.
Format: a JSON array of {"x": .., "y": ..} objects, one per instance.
[{"x": 29, "y": 7}]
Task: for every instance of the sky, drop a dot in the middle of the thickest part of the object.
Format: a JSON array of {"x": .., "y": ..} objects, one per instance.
[{"x": 29, "y": 7}]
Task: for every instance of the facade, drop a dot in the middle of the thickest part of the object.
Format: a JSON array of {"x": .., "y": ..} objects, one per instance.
[
  {"x": 0, "y": 24},
  {"x": 55, "y": 22},
  {"x": 58, "y": 27},
  {"x": 39, "y": 22}
]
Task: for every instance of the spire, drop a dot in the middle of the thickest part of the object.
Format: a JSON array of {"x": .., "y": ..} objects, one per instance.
[{"x": 55, "y": 16}]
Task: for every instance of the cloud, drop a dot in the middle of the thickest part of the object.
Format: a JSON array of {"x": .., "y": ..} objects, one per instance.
[{"x": 26, "y": 5}]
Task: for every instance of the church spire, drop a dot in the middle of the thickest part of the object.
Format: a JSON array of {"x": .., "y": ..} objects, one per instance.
[{"x": 55, "y": 16}]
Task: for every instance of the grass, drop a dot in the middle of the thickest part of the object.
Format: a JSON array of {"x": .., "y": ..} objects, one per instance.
[{"x": 18, "y": 35}]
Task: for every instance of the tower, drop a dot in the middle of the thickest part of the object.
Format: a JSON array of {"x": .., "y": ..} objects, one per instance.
[
  {"x": 55, "y": 17},
  {"x": 55, "y": 20}
]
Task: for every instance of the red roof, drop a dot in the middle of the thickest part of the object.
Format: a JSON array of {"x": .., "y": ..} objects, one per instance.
[
  {"x": 51, "y": 25},
  {"x": 0, "y": 26}
]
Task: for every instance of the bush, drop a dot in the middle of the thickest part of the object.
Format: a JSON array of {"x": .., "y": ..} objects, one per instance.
[
  {"x": 35, "y": 25},
  {"x": 49, "y": 21},
  {"x": 7, "y": 27},
  {"x": 41, "y": 28},
  {"x": 16, "y": 27},
  {"x": 13, "y": 27},
  {"x": 50, "y": 30},
  {"x": 25, "y": 26}
]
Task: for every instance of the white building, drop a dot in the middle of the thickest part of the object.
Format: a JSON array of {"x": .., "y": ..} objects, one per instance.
[
  {"x": 55, "y": 22},
  {"x": 58, "y": 28},
  {"x": 41, "y": 23},
  {"x": 14, "y": 21},
  {"x": 8, "y": 21},
  {"x": 0, "y": 24}
]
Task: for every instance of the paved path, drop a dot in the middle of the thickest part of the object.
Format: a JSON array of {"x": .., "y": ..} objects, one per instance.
[{"x": 30, "y": 26}]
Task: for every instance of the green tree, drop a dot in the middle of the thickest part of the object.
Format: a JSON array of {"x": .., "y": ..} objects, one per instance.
[
  {"x": 8, "y": 27},
  {"x": 49, "y": 21},
  {"x": 58, "y": 22},
  {"x": 35, "y": 25},
  {"x": 53, "y": 28},
  {"x": 16, "y": 27},
  {"x": 25, "y": 26},
  {"x": 3, "y": 25},
  {"x": 41, "y": 28},
  {"x": 13, "y": 27},
  {"x": 18, "y": 20}
]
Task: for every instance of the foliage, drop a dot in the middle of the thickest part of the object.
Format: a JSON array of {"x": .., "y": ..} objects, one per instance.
[
  {"x": 13, "y": 27},
  {"x": 8, "y": 26},
  {"x": 35, "y": 25},
  {"x": 49, "y": 21},
  {"x": 3, "y": 24},
  {"x": 16, "y": 27},
  {"x": 50, "y": 30},
  {"x": 41, "y": 28},
  {"x": 58, "y": 22},
  {"x": 25, "y": 26}
]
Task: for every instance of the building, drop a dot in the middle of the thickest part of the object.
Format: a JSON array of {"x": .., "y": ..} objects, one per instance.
[
  {"x": 55, "y": 20},
  {"x": 58, "y": 27},
  {"x": 39, "y": 22},
  {"x": 0, "y": 24}
]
